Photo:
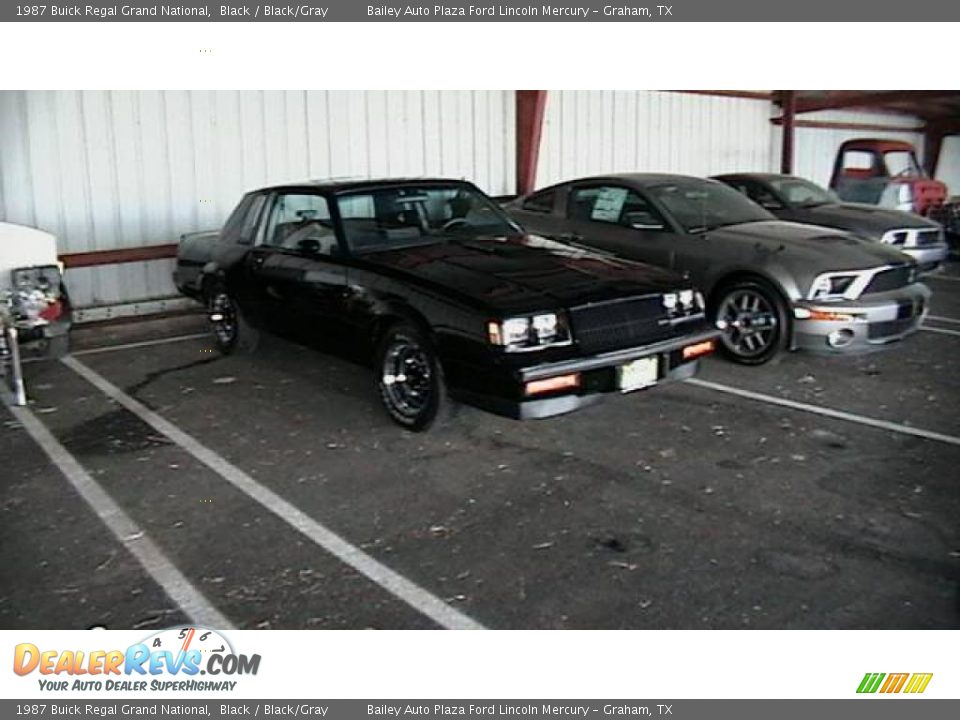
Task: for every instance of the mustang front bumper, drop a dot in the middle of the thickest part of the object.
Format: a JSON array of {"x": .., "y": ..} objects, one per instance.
[
  {"x": 861, "y": 325},
  {"x": 928, "y": 257},
  {"x": 596, "y": 375}
]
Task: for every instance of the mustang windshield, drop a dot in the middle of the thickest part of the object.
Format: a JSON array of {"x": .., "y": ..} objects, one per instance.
[
  {"x": 392, "y": 217},
  {"x": 703, "y": 206},
  {"x": 801, "y": 193}
]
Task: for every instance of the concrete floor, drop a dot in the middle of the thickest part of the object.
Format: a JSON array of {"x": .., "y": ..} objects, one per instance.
[{"x": 677, "y": 507}]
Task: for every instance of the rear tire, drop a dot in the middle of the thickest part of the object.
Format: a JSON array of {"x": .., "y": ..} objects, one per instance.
[
  {"x": 754, "y": 322},
  {"x": 410, "y": 379},
  {"x": 232, "y": 332}
]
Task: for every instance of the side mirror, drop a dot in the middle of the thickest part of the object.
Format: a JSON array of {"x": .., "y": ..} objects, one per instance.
[
  {"x": 310, "y": 246},
  {"x": 642, "y": 220}
]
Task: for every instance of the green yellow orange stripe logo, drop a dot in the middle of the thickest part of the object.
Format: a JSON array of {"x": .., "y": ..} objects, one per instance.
[{"x": 913, "y": 683}]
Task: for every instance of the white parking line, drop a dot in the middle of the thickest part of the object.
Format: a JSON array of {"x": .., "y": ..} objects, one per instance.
[
  {"x": 951, "y": 278},
  {"x": 942, "y": 331},
  {"x": 941, "y": 318},
  {"x": 391, "y": 581},
  {"x": 144, "y": 343},
  {"x": 123, "y": 527},
  {"x": 828, "y": 412}
]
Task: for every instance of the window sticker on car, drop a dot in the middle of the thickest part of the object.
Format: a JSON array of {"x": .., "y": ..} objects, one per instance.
[{"x": 609, "y": 204}]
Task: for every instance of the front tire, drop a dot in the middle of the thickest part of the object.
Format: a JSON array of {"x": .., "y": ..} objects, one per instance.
[
  {"x": 232, "y": 332},
  {"x": 754, "y": 321},
  {"x": 410, "y": 379}
]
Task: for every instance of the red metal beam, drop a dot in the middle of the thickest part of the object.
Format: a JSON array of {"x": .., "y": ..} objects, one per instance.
[
  {"x": 743, "y": 94},
  {"x": 839, "y": 99},
  {"x": 831, "y": 125},
  {"x": 123, "y": 255},
  {"x": 788, "y": 100},
  {"x": 531, "y": 105}
]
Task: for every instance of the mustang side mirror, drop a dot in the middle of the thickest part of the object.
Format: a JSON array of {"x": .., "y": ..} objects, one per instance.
[{"x": 642, "y": 220}]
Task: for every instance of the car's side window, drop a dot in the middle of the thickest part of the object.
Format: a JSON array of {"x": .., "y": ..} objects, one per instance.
[
  {"x": 301, "y": 222},
  {"x": 249, "y": 227},
  {"x": 616, "y": 206},
  {"x": 541, "y": 202}
]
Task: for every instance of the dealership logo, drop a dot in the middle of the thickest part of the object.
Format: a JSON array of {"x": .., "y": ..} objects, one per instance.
[
  {"x": 168, "y": 660},
  {"x": 912, "y": 683}
]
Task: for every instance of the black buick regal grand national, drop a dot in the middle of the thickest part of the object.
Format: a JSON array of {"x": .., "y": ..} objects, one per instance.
[{"x": 450, "y": 299}]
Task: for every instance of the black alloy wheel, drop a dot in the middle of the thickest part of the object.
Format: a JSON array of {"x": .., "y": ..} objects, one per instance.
[
  {"x": 410, "y": 380},
  {"x": 754, "y": 322},
  {"x": 231, "y": 331}
]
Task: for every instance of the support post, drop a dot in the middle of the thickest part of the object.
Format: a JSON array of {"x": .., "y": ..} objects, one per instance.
[
  {"x": 932, "y": 144},
  {"x": 530, "y": 105},
  {"x": 788, "y": 102}
]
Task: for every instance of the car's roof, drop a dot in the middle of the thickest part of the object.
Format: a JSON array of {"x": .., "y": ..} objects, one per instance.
[
  {"x": 752, "y": 176},
  {"x": 336, "y": 185},
  {"x": 636, "y": 179}
]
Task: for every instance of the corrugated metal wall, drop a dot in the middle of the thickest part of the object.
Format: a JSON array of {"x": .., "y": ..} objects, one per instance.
[
  {"x": 106, "y": 170},
  {"x": 590, "y": 132},
  {"x": 816, "y": 148},
  {"x": 948, "y": 169}
]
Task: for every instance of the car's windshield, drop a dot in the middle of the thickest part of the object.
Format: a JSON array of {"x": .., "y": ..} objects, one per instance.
[
  {"x": 699, "y": 205},
  {"x": 801, "y": 193},
  {"x": 391, "y": 217}
]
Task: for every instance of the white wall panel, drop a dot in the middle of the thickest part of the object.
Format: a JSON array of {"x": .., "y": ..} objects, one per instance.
[
  {"x": 948, "y": 168},
  {"x": 591, "y": 132},
  {"x": 107, "y": 170},
  {"x": 816, "y": 148}
]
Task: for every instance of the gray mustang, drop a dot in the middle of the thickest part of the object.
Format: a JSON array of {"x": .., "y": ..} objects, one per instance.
[
  {"x": 799, "y": 200},
  {"x": 770, "y": 284}
]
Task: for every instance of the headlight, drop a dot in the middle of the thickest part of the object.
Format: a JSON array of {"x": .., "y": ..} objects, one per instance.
[
  {"x": 37, "y": 297},
  {"x": 831, "y": 286},
  {"x": 686, "y": 301},
  {"x": 530, "y": 332}
]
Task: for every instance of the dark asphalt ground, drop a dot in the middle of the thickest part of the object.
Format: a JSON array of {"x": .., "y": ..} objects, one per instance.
[{"x": 678, "y": 507}]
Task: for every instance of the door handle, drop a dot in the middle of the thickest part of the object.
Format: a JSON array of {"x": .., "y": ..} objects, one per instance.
[{"x": 257, "y": 260}]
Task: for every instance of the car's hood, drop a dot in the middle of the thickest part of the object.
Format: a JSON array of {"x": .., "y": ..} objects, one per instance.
[
  {"x": 521, "y": 273},
  {"x": 811, "y": 245},
  {"x": 868, "y": 220}
]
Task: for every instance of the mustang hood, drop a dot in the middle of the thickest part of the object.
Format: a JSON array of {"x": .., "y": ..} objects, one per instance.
[
  {"x": 868, "y": 220},
  {"x": 810, "y": 245},
  {"x": 525, "y": 273}
]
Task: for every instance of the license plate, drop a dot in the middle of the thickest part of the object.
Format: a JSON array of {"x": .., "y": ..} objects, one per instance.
[{"x": 638, "y": 374}]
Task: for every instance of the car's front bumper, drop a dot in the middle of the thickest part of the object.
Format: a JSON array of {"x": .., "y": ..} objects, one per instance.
[
  {"x": 598, "y": 375},
  {"x": 862, "y": 325},
  {"x": 928, "y": 257}
]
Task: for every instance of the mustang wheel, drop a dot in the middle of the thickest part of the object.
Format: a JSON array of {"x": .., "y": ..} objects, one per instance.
[
  {"x": 231, "y": 330},
  {"x": 754, "y": 322},
  {"x": 410, "y": 379}
]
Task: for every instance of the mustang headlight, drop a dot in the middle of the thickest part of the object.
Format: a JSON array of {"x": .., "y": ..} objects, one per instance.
[
  {"x": 530, "y": 332},
  {"x": 832, "y": 285}
]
